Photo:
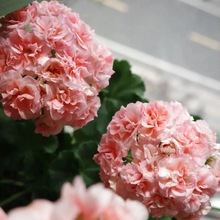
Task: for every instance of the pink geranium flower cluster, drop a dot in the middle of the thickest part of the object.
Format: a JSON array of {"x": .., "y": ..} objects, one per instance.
[
  {"x": 154, "y": 152},
  {"x": 51, "y": 68},
  {"x": 78, "y": 203}
]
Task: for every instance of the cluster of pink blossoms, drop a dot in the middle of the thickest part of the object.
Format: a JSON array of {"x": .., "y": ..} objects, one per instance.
[
  {"x": 78, "y": 203},
  {"x": 154, "y": 152},
  {"x": 51, "y": 68}
]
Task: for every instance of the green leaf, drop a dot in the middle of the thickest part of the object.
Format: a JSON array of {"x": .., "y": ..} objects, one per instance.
[
  {"x": 162, "y": 218},
  {"x": 8, "y": 6},
  {"x": 196, "y": 117},
  {"x": 126, "y": 82},
  {"x": 25, "y": 158},
  {"x": 64, "y": 168},
  {"x": 89, "y": 170},
  {"x": 64, "y": 162},
  {"x": 124, "y": 86},
  {"x": 29, "y": 152},
  {"x": 112, "y": 105},
  {"x": 136, "y": 86},
  {"x": 20, "y": 134},
  {"x": 102, "y": 120},
  {"x": 85, "y": 153}
]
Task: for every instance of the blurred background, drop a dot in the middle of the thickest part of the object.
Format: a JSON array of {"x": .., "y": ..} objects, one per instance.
[{"x": 174, "y": 45}]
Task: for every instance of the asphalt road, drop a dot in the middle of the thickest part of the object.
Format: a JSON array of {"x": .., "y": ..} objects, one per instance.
[{"x": 160, "y": 28}]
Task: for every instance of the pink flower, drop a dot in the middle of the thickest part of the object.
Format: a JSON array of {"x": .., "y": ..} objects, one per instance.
[
  {"x": 177, "y": 176},
  {"x": 194, "y": 142},
  {"x": 56, "y": 31},
  {"x": 140, "y": 178},
  {"x": 205, "y": 132},
  {"x": 88, "y": 203},
  {"x": 170, "y": 146},
  {"x": 124, "y": 124},
  {"x": 214, "y": 163},
  {"x": 25, "y": 51},
  {"x": 207, "y": 183},
  {"x": 53, "y": 70},
  {"x": 160, "y": 206},
  {"x": 95, "y": 202},
  {"x": 3, "y": 55},
  {"x": 137, "y": 210},
  {"x": 52, "y": 8},
  {"x": 16, "y": 20},
  {"x": 84, "y": 34},
  {"x": 11, "y": 56},
  {"x": 35, "y": 211},
  {"x": 82, "y": 118},
  {"x": 46, "y": 126},
  {"x": 49, "y": 43},
  {"x": 22, "y": 51},
  {"x": 132, "y": 174},
  {"x": 198, "y": 206},
  {"x": 160, "y": 156},
  {"x": 20, "y": 96},
  {"x": 75, "y": 63},
  {"x": 179, "y": 113},
  {"x": 110, "y": 156},
  {"x": 123, "y": 189},
  {"x": 100, "y": 62},
  {"x": 77, "y": 202},
  {"x": 73, "y": 107},
  {"x": 3, "y": 215},
  {"x": 141, "y": 150},
  {"x": 155, "y": 121}
]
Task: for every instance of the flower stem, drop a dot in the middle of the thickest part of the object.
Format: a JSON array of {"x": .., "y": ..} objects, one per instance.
[
  {"x": 216, "y": 209},
  {"x": 13, "y": 197},
  {"x": 129, "y": 158}
]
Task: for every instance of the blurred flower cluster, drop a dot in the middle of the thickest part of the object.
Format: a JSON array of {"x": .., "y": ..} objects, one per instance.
[
  {"x": 154, "y": 152},
  {"x": 51, "y": 68},
  {"x": 76, "y": 203}
]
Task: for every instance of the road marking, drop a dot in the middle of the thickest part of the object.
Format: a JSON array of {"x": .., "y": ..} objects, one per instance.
[
  {"x": 160, "y": 64},
  {"x": 205, "y": 41},
  {"x": 204, "y": 6},
  {"x": 115, "y": 4}
]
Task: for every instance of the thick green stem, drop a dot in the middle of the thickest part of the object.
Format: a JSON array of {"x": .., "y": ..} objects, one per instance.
[{"x": 13, "y": 197}]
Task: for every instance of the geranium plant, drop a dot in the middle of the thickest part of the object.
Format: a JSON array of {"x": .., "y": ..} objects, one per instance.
[{"x": 154, "y": 159}]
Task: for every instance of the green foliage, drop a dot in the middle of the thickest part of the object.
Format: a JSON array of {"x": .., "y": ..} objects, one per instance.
[
  {"x": 163, "y": 218},
  {"x": 196, "y": 117},
  {"x": 33, "y": 166},
  {"x": 8, "y": 6},
  {"x": 124, "y": 86},
  {"x": 24, "y": 159},
  {"x": 88, "y": 169}
]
